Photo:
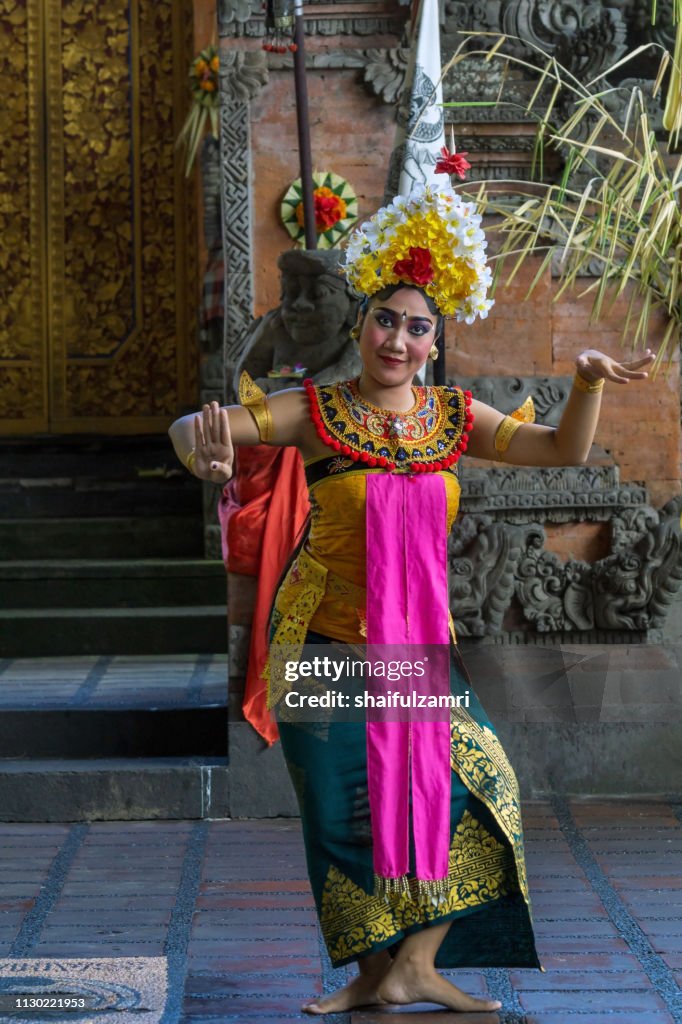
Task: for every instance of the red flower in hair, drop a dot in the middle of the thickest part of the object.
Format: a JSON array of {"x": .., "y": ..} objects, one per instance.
[
  {"x": 417, "y": 268},
  {"x": 452, "y": 163}
]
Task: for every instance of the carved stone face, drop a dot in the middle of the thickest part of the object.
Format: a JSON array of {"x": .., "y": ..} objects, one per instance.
[{"x": 313, "y": 307}]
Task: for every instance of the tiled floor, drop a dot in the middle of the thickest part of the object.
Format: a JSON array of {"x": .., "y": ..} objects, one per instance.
[{"x": 228, "y": 904}]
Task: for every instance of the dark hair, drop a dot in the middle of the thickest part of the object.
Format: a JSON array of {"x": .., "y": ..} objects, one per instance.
[{"x": 391, "y": 289}]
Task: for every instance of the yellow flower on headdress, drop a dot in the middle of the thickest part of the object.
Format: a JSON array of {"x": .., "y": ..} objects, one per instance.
[{"x": 431, "y": 239}]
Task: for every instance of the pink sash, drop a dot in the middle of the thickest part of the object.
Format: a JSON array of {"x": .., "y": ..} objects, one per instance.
[{"x": 407, "y": 603}]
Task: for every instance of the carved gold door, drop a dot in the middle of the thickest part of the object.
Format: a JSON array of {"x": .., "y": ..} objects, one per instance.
[{"x": 97, "y": 277}]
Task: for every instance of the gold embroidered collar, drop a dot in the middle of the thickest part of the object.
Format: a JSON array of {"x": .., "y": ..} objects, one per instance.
[{"x": 429, "y": 437}]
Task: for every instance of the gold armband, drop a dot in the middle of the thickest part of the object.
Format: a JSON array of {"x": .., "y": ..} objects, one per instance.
[
  {"x": 255, "y": 400},
  {"x": 191, "y": 459},
  {"x": 590, "y": 387},
  {"x": 505, "y": 432}
]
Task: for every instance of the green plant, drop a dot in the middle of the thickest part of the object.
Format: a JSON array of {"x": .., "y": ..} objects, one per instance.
[{"x": 628, "y": 216}]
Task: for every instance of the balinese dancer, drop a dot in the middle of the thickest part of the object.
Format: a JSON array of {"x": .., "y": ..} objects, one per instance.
[{"x": 413, "y": 836}]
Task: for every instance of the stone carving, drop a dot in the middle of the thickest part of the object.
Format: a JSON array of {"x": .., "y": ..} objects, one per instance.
[
  {"x": 496, "y": 551},
  {"x": 584, "y": 36},
  {"x": 243, "y": 73},
  {"x": 638, "y": 15},
  {"x": 355, "y": 24},
  {"x": 211, "y": 328},
  {"x": 482, "y": 579},
  {"x": 385, "y": 72},
  {"x": 231, "y": 12},
  {"x": 634, "y": 586},
  {"x": 507, "y": 393},
  {"x": 311, "y": 326},
  {"x": 553, "y": 596},
  {"x": 560, "y": 495},
  {"x": 629, "y": 590}
]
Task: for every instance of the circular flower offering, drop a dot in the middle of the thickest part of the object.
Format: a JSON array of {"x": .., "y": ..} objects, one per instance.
[
  {"x": 431, "y": 239},
  {"x": 336, "y": 209}
]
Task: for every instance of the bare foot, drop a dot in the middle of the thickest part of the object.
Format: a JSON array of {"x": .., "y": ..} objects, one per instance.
[
  {"x": 361, "y": 991},
  {"x": 409, "y": 983}
]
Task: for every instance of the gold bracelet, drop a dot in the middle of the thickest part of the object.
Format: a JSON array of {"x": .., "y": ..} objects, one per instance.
[
  {"x": 505, "y": 432},
  {"x": 191, "y": 459},
  {"x": 590, "y": 387},
  {"x": 255, "y": 400}
]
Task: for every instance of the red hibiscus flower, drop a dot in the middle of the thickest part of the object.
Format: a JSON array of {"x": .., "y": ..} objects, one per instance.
[
  {"x": 452, "y": 163},
  {"x": 417, "y": 268}
]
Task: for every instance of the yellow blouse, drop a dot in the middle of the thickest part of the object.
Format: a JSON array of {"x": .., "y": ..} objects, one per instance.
[{"x": 324, "y": 589}]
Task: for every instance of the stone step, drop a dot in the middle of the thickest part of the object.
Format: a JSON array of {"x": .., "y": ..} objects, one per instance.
[
  {"x": 109, "y": 789},
  {"x": 123, "y": 537},
  {"x": 111, "y": 583},
  {"x": 114, "y": 732},
  {"x": 100, "y": 457},
  {"x": 63, "y": 497},
  {"x": 45, "y": 632}
]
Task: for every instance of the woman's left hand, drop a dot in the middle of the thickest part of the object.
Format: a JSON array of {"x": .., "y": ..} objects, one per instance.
[{"x": 593, "y": 366}]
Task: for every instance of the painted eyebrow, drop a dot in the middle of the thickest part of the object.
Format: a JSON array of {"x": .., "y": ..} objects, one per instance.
[{"x": 395, "y": 312}]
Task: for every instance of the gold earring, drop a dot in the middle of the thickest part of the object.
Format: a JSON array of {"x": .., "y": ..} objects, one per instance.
[
  {"x": 433, "y": 352},
  {"x": 355, "y": 332}
]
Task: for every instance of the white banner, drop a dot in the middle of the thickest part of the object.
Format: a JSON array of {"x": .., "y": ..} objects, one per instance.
[{"x": 420, "y": 133}]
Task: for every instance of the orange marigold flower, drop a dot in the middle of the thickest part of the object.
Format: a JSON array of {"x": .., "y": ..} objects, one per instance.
[
  {"x": 200, "y": 68},
  {"x": 207, "y": 85},
  {"x": 215, "y": 63}
]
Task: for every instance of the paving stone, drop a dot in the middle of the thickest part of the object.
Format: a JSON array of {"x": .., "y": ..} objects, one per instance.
[
  {"x": 615, "y": 1000},
  {"x": 261, "y": 1006},
  {"x": 252, "y": 986},
  {"x": 555, "y": 944},
  {"x": 220, "y": 901},
  {"x": 575, "y": 929},
  {"x": 220, "y": 966},
  {"x": 581, "y": 981},
  {"x": 246, "y": 961},
  {"x": 415, "y": 1017},
  {"x": 596, "y": 1017},
  {"x": 590, "y": 962},
  {"x": 222, "y": 1018}
]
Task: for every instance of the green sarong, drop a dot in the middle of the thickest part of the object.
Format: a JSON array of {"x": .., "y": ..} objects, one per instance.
[{"x": 487, "y": 903}]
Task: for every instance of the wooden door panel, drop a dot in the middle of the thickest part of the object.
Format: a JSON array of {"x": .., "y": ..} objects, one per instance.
[
  {"x": 23, "y": 323},
  {"x": 118, "y": 287}
]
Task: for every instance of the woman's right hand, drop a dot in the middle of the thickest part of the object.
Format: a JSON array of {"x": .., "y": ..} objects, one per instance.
[{"x": 214, "y": 452}]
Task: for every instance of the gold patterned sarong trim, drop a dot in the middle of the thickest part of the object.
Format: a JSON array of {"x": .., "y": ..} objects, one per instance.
[
  {"x": 297, "y": 600},
  {"x": 481, "y": 870},
  {"x": 478, "y": 758}
]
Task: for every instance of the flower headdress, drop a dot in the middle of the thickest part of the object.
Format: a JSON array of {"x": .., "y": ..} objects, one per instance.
[{"x": 431, "y": 239}]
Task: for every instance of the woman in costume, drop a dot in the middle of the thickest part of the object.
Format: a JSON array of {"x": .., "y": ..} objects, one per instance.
[{"x": 412, "y": 829}]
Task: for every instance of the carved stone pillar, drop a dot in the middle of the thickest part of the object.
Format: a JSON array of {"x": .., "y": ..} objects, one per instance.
[{"x": 242, "y": 76}]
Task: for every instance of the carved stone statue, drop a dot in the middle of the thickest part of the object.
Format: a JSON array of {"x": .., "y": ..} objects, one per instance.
[{"x": 310, "y": 327}]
